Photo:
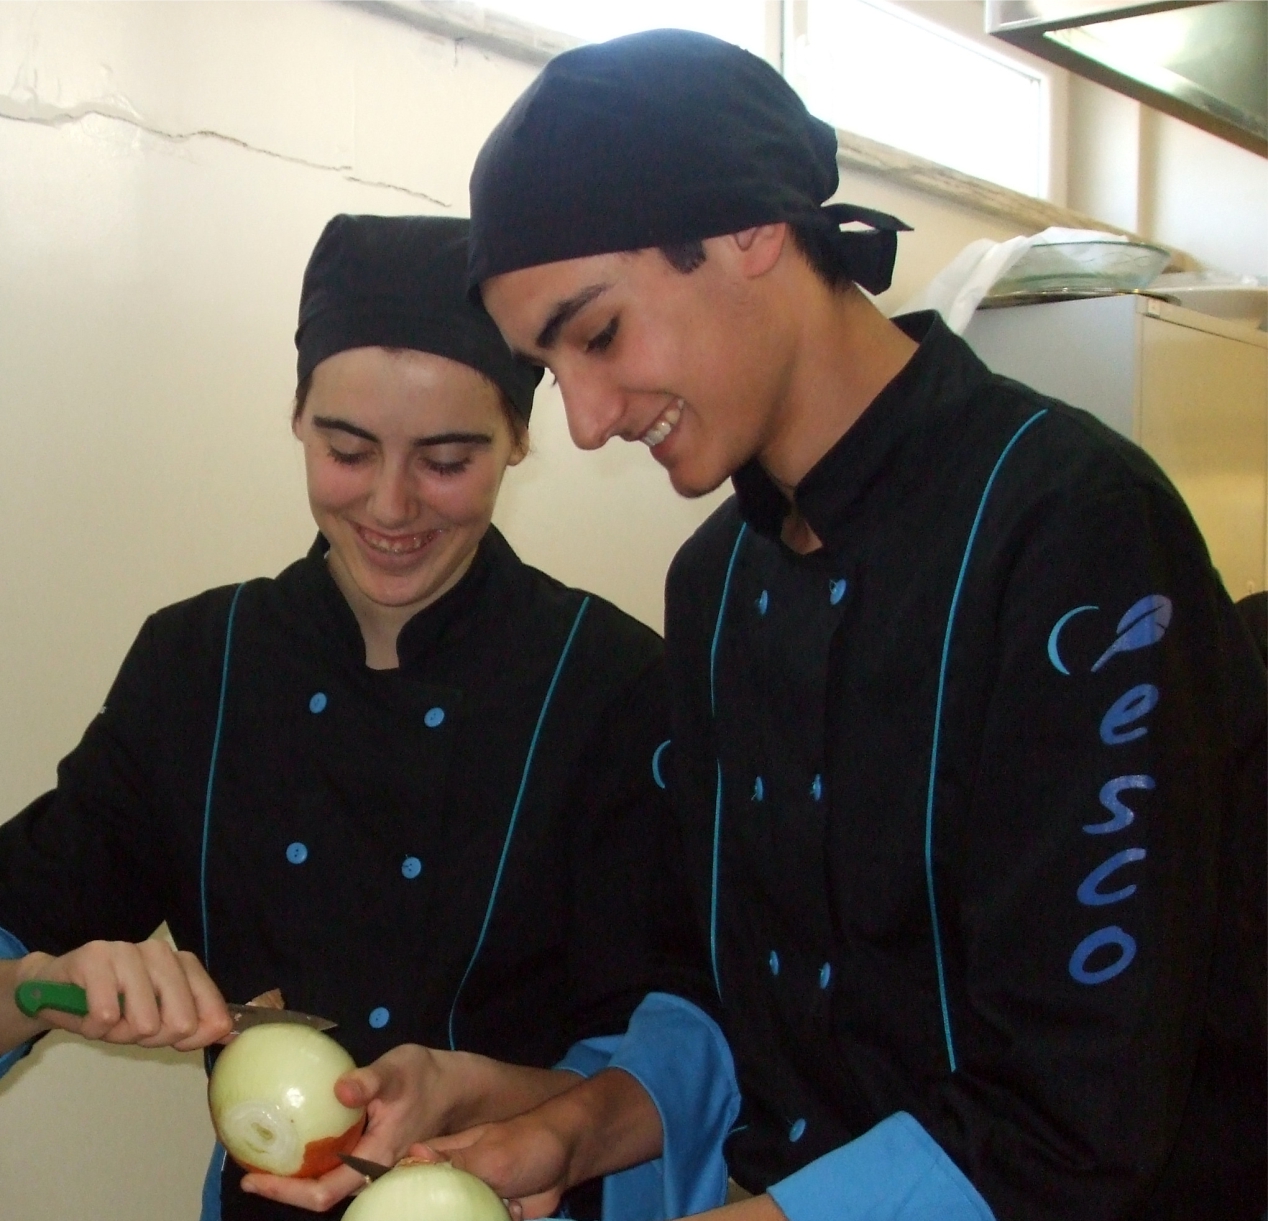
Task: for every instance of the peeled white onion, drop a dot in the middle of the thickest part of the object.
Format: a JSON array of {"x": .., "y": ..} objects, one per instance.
[
  {"x": 418, "y": 1192},
  {"x": 273, "y": 1104}
]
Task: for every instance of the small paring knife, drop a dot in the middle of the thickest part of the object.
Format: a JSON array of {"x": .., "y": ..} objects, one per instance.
[
  {"x": 362, "y": 1165},
  {"x": 37, "y": 994}
]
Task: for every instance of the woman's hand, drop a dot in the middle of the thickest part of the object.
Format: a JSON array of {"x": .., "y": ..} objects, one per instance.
[
  {"x": 406, "y": 1094},
  {"x": 413, "y": 1094},
  {"x": 144, "y": 993}
]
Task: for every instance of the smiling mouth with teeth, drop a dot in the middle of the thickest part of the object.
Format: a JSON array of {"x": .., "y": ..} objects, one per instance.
[
  {"x": 401, "y": 545},
  {"x": 664, "y": 426}
]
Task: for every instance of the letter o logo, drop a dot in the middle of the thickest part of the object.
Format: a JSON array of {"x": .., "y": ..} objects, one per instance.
[{"x": 1103, "y": 937}]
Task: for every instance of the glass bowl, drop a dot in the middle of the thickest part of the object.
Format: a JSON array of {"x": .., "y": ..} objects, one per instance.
[{"x": 1099, "y": 265}]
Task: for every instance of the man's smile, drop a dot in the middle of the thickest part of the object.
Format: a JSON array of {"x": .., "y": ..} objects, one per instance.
[{"x": 666, "y": 424}]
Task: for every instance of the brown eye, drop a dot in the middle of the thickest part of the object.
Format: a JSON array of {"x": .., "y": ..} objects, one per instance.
[
  {"x": 448, "y": 468},
  {"x": 346, "y": 459},
  {"x": 603, "y": 340}
]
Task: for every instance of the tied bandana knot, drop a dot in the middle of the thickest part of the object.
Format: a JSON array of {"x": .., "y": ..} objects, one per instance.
[{"x": 868, "y": 255}]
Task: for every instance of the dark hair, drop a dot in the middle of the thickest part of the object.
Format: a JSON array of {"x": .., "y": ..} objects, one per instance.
[
  {"x": 814, "y": 243},
  {"x": 515, "y": 422},
  {"x": 684, "y": 256}
]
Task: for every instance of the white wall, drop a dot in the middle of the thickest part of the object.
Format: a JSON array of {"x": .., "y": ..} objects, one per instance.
[
  {"x": 1167, "y": 180},
  {"x": 164, "y": 171}
]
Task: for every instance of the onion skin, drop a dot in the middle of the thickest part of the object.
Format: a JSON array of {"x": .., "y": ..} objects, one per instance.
[
  {"x": 273, "y": 1104},
  {"x": 417, "y": 1191},
  {"x": 320, "y": 1156}
]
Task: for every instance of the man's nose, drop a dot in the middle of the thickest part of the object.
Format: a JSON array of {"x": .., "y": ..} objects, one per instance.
[{"x": 594, "y": 410}]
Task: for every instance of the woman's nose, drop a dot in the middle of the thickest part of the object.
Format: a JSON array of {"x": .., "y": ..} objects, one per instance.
[{"x": 393, "y": 500}]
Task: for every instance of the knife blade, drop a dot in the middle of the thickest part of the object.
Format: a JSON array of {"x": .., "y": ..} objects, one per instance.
[
  {"x": 36, "y": 994},
  {"x": 245, "y": 1016},
  {"x": 363, "y": 1165}
]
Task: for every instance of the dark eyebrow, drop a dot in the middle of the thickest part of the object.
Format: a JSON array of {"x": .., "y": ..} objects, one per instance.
[
  {"x": 441, "y": 438},
  {"x": 331, "y": 424},
  {"x": 456, "y": 438},
  {"x": 564, "y": 311}
]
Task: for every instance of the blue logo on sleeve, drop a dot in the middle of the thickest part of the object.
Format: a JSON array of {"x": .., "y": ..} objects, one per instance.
[{"x": 1144, "y": 624}]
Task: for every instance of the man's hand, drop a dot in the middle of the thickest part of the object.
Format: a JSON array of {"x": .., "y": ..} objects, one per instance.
[
  {"x": 143, "y": 993},
  {"x": 526, "y": 1161},
  {"x": 414, "y": 1093},
  {"x": 601, "y": 1125}
]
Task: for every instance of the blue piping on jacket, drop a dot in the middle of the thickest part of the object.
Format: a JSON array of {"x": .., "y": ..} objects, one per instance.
[
  {"x": 515, "y": 812},
  {"x": 717, "y": 799},
  {"x": 211, "y": 776},
  {"x": 937, "y": 733}
]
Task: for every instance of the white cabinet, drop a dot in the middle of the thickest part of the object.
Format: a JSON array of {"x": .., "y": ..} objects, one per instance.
[{"x": 1190, "y": 389}]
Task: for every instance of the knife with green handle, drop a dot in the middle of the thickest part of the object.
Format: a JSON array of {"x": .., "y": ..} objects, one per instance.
[{"x": 37, "y": 994}]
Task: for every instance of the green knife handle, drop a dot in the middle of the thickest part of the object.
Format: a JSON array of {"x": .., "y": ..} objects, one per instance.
[{"x": 37, "y": 994}]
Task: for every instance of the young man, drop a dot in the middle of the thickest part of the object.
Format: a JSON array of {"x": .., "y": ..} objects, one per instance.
[{"x": 968, "y": 740}]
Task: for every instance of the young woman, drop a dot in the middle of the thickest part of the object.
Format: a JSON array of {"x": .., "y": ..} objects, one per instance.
[{"x": 409, "y": 781}]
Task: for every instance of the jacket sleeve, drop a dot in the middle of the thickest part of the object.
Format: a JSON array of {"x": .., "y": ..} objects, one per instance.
[
  {"x": 1099, "y": 905},
  {"x": 624, "y": 928},
  {"x": 87, "y": 859}
]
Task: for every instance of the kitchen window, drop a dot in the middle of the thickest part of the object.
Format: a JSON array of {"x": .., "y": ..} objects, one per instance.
[{"x": 866, "y": 66}]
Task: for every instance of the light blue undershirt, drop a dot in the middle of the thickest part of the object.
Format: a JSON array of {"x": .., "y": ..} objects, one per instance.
[
  {"x": 679, "y": 1056},
  {"x": 895, "y": 1171},
  {"x": 11, "y": 947}
]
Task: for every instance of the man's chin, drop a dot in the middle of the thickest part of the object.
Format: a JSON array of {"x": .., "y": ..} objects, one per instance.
[{"x": 691, "y": 485}]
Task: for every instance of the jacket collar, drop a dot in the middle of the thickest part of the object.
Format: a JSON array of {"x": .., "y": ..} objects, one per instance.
[
  {"x": 435, "y": 625},
  {"x": 925, "y": 394}
]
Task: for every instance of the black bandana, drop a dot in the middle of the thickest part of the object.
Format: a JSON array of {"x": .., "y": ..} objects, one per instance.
[
  {"x": 657, "y": 139},
  {"x": 400, "y": 282}
]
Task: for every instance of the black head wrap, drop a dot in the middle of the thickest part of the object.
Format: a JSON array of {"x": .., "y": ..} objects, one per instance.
[
  {"x": 657, "y": 139},
  {"x": 400, "y": 282}
]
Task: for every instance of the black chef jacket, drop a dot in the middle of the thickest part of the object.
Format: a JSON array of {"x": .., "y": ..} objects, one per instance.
[
  {"x": 460, "y": 852},
  {"x": 973, "y": 808}
]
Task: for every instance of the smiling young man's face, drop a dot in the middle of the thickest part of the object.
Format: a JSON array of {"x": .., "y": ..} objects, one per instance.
[{"x": 691, "y": 364}]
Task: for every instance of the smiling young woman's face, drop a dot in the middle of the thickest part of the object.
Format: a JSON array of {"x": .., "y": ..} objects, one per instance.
[{"x": 405, "y": 453}]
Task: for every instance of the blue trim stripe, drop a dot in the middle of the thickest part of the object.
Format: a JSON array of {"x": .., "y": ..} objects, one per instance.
[
  {"x": 11, "y": 948},
  {"x": 515, "y": 813},
  {"x": 937, "y": 733},
  {"x": 211, "y": 775},
  {"x": 211, "y": 1184},
  {"x": 717, "y": 627},
  {"x": 717, "y": 799},
  {"x": 656, "y": 754}
]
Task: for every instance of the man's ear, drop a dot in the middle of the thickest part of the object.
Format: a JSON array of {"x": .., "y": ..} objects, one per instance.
[{"x": 758, "y": 249}]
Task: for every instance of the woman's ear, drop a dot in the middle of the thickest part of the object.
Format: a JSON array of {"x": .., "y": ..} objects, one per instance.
[{"x": 519, "y": 447}]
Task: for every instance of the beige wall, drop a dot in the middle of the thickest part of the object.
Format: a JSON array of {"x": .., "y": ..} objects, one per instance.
[
  {"x": 1167, "y": 180},
  {"x": 164, "y": 171}
]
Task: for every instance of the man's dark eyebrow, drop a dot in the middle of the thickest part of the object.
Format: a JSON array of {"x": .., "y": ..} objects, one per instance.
[
  {"x": 564, "y": 311},
  {"x": 441, "y": 438}
]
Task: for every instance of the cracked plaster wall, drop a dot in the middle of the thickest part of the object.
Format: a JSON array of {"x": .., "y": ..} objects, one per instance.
[{"x": 164, "y": 171}]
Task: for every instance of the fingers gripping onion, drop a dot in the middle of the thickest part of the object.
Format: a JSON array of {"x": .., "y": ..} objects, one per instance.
[
  {"x": 273, "y": 1104},
  {"x": 417, "y": 1192}
]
